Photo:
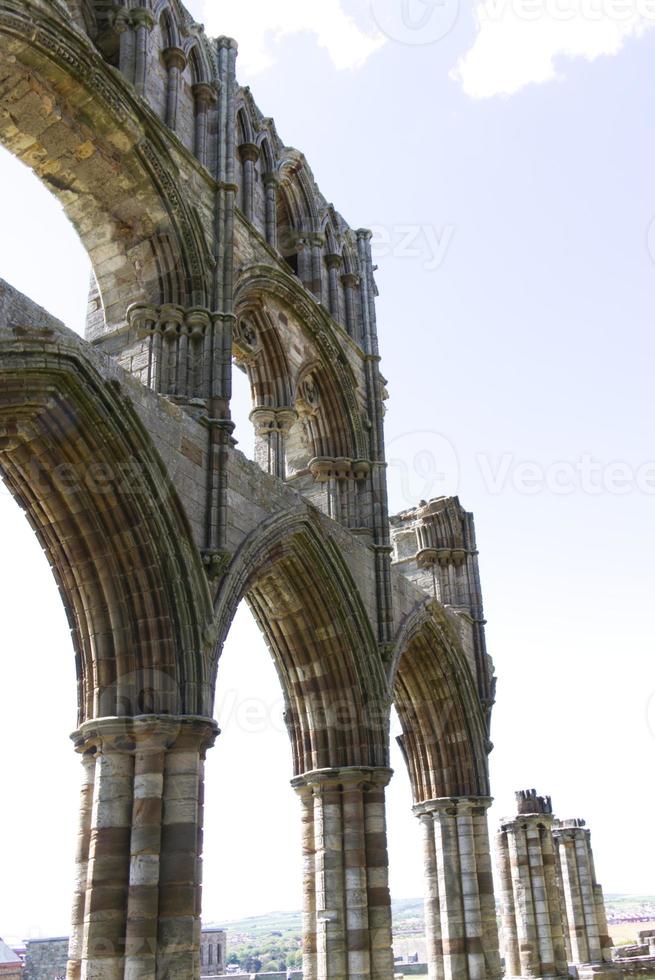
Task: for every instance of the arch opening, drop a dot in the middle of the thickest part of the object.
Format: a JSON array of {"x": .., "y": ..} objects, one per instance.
[
  {"x": 312, "y": 618},
  {"x": 306, "y": 406},
  {"x": 443, "y": 739},
  {"x": 88, "y": 147},
  {"x": 249, "y": 800}
]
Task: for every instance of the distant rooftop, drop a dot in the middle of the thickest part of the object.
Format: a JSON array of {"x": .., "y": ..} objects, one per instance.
[{"x": 7, "y": 955}]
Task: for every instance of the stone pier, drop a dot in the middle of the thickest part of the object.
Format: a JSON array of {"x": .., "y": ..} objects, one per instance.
[
  {"x": 139, "y": 851},
  {"x": 460, "y": 914},
  {"x": 346, "y": 906},
  {"x": 588, "y": 944},
  {"x": 533, "y": 933},
  {"x": 552, "y": 907}
]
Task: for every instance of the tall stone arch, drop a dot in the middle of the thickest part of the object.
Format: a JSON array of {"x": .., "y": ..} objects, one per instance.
[
  {"x": 318, "y": 630},
  {"x": 120, "y": 450}
]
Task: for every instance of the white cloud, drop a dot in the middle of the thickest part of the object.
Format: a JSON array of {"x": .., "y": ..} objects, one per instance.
[
  {"x": 259, "y": 24},
  {"x": 519, "y": 41}
]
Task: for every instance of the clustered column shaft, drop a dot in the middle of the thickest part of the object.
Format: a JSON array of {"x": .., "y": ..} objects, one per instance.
[
  {"x": 334, "y": 263},
  {"x": 462, "y": 936},
  {"x": 271, "y": 182},
  {"x": 350, "y": 284},
  {"x": 531, "y": 914},
  {"x": 272, "y": 427},
  {"x": 249, "y": 154},
  {"x": 137, "y": 905},
  {"x": 583, "y": 897},
  {"x": 205, "y": 97},
  {"x": 553, "y": 913},
  {"x": 175, "y": 61},
  {"x": 347, "y": 908}
]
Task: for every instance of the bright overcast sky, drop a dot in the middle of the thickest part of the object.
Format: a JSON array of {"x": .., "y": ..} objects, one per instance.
[{"x": 504, "y": 157}]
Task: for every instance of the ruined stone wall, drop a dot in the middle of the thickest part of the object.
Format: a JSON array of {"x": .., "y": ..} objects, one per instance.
[{"x": 46, "y": 959}]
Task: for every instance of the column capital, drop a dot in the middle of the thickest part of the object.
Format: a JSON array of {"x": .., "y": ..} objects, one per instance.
[
  {"x": 271, "y": 179},
  {"x": 227, "y": 42},
  {"x": 280, "y": 419},
  {"x": 248, "y": 152},
  {"x": 142, "y": 316},
  {"x": 142, "y": 17},
  {"x": 146, "y": 733},
  {"x": 175, "y": 58},
  {"x": 121, "y": 20},
  {"x": 333, "y": 260},
  {"x": 453, "y": 806},
  {"x": 345, "y": 778},
  {"x": 568, "y": 835},
  {"x": 205, "y": 94},
  {"x": 350, "y": 280}
]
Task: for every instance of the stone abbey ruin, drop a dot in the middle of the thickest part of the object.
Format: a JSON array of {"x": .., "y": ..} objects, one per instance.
[{"x": 212, "y": 247}]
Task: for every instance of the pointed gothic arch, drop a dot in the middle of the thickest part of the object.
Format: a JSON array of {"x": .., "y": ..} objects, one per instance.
[
  {"x": 319, "y": 634},
  {"x": 444, "y": 740},
  {"x": 118, "y": 189},
  {"x": 84, "y": 470}
]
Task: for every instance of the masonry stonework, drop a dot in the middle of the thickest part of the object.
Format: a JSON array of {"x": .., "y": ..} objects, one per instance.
[
  {"x": 552, "y": 907},
  {"x": 213, "y": 250}
]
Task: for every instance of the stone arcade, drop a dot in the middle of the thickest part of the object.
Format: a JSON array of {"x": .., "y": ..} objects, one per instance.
[{"x": 211, "y": 245}]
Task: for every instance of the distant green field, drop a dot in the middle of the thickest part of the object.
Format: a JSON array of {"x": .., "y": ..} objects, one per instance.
[
  {"x": 274, "y": 939},
  {"x": 620, "y": 899},
  {"x": 403, "y": 909}
]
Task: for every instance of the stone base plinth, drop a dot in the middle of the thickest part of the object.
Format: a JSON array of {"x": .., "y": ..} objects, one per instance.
[{"x": 599, "y": 971}]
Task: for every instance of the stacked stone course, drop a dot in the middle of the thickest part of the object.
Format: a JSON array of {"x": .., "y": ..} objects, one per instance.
[
  {"x": 213, "y": 250},
  {"x": 552, "y": 907}
]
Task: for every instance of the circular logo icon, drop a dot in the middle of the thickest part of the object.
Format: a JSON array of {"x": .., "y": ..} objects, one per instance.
[{"x": 415, "y": 21}]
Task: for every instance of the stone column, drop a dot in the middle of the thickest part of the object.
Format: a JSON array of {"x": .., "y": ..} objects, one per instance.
[
  {"x": 204, "y": 96},
  {"x": 304, "y": 260},
  {"x": 431, "y": 904},
  {"x": 271, "y": 182},
  {"x": 178, "y": 359},
  {"x": 143, "y": 23},
  {"x": 139, "y": 849},
  {"x": 123, "y": 28},
  {"x": 180, "y": 880},
  {"x": 175, "y": 61},
  {"x": 508, "y": 926},
  {"x": 460, "y": 907},
  {"x": 590, "y": 946},
  {"x": 249, "y": 155},
  {"x": 272, "y": 427},
  {"x": 533, "y": 934},
  {"x": 74, "y": 971},
  {"x": 606, "y": 943},
  {"x": 485, "y": 883},
  {"x": 334, "y": 262},
  {"x": 347, "y": 908},
  {"x": 350, "y": 285},
  {"x": 105, "y": 911},
  {"x": 317, "y": 243}
]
